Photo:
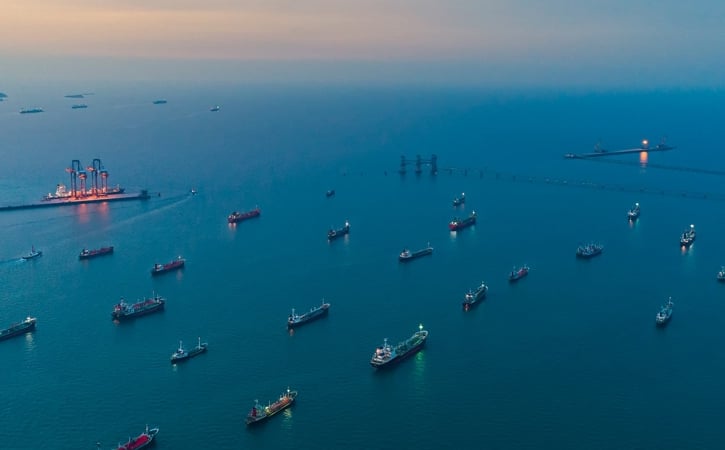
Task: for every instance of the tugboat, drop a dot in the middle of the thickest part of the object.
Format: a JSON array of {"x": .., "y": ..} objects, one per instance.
[
  {"x": 589, "y": 250},
  {"x": 517, "y": 274},
  {"x": 181, "y": 354},
  {"x": 124, "y": 311},
  {"x": 295, "y": 320},
  {"x": 86, "y": 254},
  {"x": 407, "y": 255},
  {"x": 334, "y": 234},
  {"x": 688, "y": 237},
  {"x": 236, "y": 217},
  {"x": 458, "y": 224},
  {"x": 665, "y": 314},
  {"x": 473, "y": 297},
  {"x": 261, "y": 413},
  {"x": 17, "y": 329},
  {"x": 178, "y": 263},
  {"x": 215, "y": 108},
  {"x": 633, "y": 213},
  {"x": 387, "y": 355},
  {"x": 141, "y": 441},
  {"x": 330, "y": 193},
  {"x": 458, "y": 201},
  {"x": 721, "y": 274},
  {"x": 33, "y": 253}
]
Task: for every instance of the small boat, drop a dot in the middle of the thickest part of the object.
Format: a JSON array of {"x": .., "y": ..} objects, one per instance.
[
  {"x": 160, "y": 102},
  {"x": 124, "y": 311},
  {"x": 473, "y": 297},
  {"x": 407, "y": 255},
  {"x": 517, "y": 274},
  {"x": 589, "y": 250},
  {"x": 32, "y": 254},
  {"x": 31, "y": 110},
  {"x": 215, "y": 108},
  {"x": 458, "y": 201},
  {"x": 721, "y": 274},
  {"x": 688, "y": 237},
  {"x": 141, "y": 441},
  {"x": 665, "y": 314},
  {"x": 17, "y": 329},
  {"x": 158, "y": 269},
  {"x": 181, "y": 354},
  {"x": 330, "y": 193},
  {"x": 387, "y": 355},
  {"x": 633, "y": 213},
  {"x": 79, "y": 106},
  {"x": 334, "y": 234},
  {"x": 261, "y": 413},
  {"x": 295, "y": 320},
  {"x": 86, "y": 254},
  {"x": 236, "y": 217},
  {"x": 458, "y": 224}
]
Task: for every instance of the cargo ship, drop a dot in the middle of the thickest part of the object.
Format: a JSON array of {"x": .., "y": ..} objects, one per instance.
[
  {"x": 158, "y": 269},
  {"x": 517, "y": 274},
  {"x": 236, "y": 217},
  {"x": 407, "y": 255},
  {"x": 458, "y": 224},
  {"x": 79, "y": 106},
  {"x": 215, "y": 108},
  {"x": 295, "y": 320},
  {"x": 87, "y": 254},
  {"x": 473, "y": 297},
  {"x": 31, "y": 110},
  {"x": 589, "y": 250},
  {"x": 387, "y": 355},
  {"x": 330, "y": 193},
  {"x": 124, "y": 311},
  {"x": 458, "y": 201},
  {"x": 141, "y": 441},
  {"x": 633, "y": 213},
  {"x": 334, "y": 234},
  {"x": 160, "y": 102},
  {"x": 664, "y": 314},
  {"x": 17, "y": 329},
  {"x": 32, "y": 254},
  {"x": 261, "y": 413},
  {"x": 181, "y": 354},
  {"x": 688, "y": 237}
]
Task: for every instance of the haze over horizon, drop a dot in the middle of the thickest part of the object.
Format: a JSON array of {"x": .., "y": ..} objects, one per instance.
[{"x": 525, "y": 43}]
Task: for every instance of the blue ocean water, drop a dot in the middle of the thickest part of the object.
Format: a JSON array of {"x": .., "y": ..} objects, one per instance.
[{"x": 569, "y": 357}]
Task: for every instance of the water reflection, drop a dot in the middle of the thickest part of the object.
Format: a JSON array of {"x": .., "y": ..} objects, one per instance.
[{"x": 643, "y": 156}]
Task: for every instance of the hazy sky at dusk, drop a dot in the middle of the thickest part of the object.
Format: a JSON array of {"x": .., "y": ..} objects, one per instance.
[{"x": 529, "y": 42}]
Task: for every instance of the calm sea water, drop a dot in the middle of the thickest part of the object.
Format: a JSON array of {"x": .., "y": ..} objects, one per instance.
[{"x": 569, "y": 357}]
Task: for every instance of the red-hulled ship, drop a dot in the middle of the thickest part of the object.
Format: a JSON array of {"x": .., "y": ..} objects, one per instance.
[
  {"x": 517, "y": 274},
  {"x": 261, "y": 413},
  {"x": 86, "y": 254},
  {"x": 124, "y": 311},
  {"x": 178, "y": 263},
  {"x": 458, "y": 224},
  {"x": 141, "y": 441},
  {"x": 236, "y": 217}
]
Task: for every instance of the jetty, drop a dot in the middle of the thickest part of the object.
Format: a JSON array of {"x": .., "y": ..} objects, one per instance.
[
  {"x": 143, "y": 195},
  {"x": 599, "y": 152}
]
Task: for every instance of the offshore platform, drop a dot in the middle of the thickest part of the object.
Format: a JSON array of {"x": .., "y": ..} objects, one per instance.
[{"x": 419, "y": 163}]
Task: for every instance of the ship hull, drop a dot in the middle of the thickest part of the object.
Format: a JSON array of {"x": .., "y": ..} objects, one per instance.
[
  {"x": 263, "y": 418},
  {"x": 18, "y": 331},
  {"x": 95, "y": 253},
  {"x": 588, "y": 255},
  {"x": 415, "y": 255},
  {"x": 242, "y": 217},
  {"x": 145, "y": 312},
  {"x": 307, "y": 318},
  {"x": 166, "y": 269},
  {"x": 400, "y": 357},
  {"x": 461, "y": 225},
  {"x": 190, "y": 354}
]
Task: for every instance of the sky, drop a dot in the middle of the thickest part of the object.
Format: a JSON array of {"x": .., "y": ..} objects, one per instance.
[{"x": 496, "y": 42}]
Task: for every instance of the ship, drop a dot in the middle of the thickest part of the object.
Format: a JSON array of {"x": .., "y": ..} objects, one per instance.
[
  {"x": 407, "y": 255},
  {"x": 458, "y": 224},
  {"x": 665, "y": 314},
  {"x": 633, "y": 213},
  {"x": 62, "y": 193},
  {"x": 721, "y": 274},
  {"x": 334, "y": 234},
  {"x": 181, "y": 354},
  {"x": 458, "y": 201},
  {"x": 215, "y": 108},
  {"x": 473, "y": 297},
  {"x": 387, "y": 355},
  {"x": 124, "y": 311},
  {"x": 158, "y": 269},
  {"x": 141, "y": 441},
  {"x": 32, "y": 254},
  {"x": 517, "y": 274},
  {"x": 236, "y": 216},
  {"x": 330, "y": 193},
  {"x": 31, "y": 110},
  {"x": 19, "y": 328},
  {"x": 79, "y": 106},
  {"x": 688, "y": 237},
  {"x": 295, "y": 320},
  {"x": 160, "y": 102},
  {"x": 589, "y": 250},
  {"x": 87, "y": 254},
  {"x": 260, "y": 413}
]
